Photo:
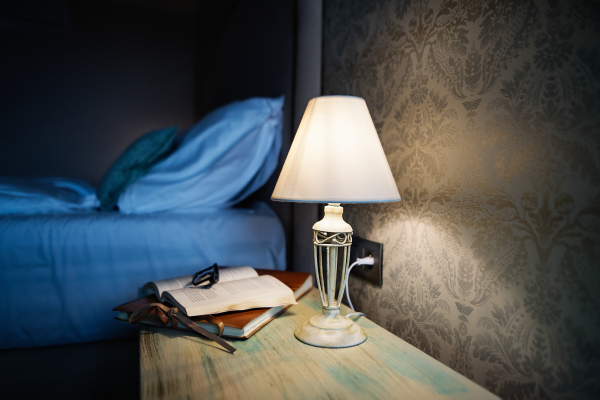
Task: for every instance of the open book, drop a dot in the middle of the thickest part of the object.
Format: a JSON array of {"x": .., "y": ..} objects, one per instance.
[
  {"x": 239, "y": 288},
  {"x": 238, "y": 324}
]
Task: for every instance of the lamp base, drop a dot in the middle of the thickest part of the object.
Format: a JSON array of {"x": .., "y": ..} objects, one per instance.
[{"x": 330, "y": 331}]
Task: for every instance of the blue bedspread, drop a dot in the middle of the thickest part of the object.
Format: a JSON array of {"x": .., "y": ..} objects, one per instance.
[{"x": 61, "y": 275}]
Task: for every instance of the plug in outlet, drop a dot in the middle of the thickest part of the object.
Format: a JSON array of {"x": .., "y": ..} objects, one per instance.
[{"x": 363, "y": 248}]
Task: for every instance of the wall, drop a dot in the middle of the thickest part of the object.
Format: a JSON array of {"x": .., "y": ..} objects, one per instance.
[
  {"x": 81, "y": 80},
  {"x": 488, "y": 113}
]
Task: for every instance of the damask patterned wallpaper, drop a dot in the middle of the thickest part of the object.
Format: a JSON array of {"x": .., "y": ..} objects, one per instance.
[{"x": 489, "y": 114}]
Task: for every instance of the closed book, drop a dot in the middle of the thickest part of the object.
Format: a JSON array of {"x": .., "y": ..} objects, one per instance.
[{"x": 238, "y": 324}]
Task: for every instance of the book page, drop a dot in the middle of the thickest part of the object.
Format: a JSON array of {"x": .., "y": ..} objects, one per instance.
[
  {"x": 261, "y": 291},
  {"x": 235, "y": 273},
  {"x": 180, "y": 282}
]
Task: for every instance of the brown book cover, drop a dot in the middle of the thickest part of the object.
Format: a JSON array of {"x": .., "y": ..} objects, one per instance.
[{"x": 238, "y": 324}]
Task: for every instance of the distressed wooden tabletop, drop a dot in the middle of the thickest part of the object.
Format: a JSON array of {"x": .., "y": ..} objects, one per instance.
[{"x": 273, "y": 364}]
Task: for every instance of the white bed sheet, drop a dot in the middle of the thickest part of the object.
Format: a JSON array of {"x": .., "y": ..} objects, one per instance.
[{"x": 61, "y": 275}]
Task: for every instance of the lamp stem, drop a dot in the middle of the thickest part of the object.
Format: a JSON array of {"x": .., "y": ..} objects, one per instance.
[{"x": 330, "y": 329}]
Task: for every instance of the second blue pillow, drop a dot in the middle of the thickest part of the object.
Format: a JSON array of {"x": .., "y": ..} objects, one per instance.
[{"x": 133, "y": 163}]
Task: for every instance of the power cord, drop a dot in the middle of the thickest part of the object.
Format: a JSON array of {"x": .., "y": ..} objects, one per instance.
[{"x": 359, "y": 261}]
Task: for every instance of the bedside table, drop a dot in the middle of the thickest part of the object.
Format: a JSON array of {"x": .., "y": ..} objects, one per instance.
[{"x": 273, "y": 364}]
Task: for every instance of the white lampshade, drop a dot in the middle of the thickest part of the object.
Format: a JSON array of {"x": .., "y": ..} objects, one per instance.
[{"x": 336, "y": 157}]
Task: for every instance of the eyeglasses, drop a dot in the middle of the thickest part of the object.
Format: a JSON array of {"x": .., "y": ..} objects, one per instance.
[{"x": 210, "y": 275}]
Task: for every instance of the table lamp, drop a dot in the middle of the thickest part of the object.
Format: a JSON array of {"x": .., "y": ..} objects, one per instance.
[{"x": 336, "y": 157}]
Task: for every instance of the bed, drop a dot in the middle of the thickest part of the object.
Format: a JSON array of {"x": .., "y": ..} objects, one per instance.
[
  {"x": 63, "y": 268},
  {"x": 169, "y": 206},
  {"x": 60, "y": 275}
]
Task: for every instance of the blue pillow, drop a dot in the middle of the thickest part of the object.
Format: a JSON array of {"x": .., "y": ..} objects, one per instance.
[
  {"x": 224, "y": 158},
  {"x": 135, "y": 161}
]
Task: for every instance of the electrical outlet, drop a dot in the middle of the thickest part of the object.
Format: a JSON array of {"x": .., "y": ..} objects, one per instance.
[{"x": 363, "y": 248}]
